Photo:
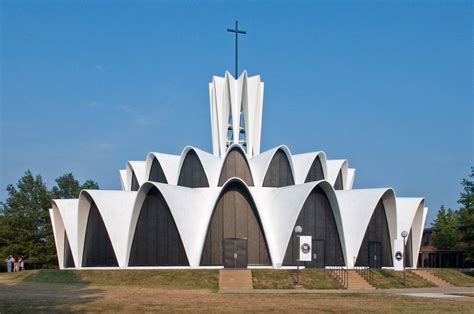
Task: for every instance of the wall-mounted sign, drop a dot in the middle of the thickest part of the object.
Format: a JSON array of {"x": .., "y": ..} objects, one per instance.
[
  {"x": 305, "y": 248},
  {"x": 398, "y": 256}
]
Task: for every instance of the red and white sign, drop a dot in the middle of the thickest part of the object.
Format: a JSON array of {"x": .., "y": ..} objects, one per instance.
[{"x": 305, "y": 248}]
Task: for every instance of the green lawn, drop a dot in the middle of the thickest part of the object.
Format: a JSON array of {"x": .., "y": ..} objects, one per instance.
[
  {"x": 284, "y": 279},
  {"x": 454, "y": 277},
  {"x": 176, "y": 279},
  {"x": 386, "y": 279}
]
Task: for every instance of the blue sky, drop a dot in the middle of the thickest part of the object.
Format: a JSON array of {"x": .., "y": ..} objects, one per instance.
[{"x": 86, "y": 86}]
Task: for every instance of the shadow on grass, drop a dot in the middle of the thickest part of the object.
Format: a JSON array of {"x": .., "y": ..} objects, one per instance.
[{"x": 44, "y": 291}]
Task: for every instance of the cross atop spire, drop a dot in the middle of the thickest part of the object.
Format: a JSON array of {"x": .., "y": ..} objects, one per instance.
[{"x": 237, "y": 32}]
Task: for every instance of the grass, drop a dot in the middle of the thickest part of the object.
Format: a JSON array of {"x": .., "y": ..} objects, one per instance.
[
  {"x": 284, "y": 279},
  {"x": 176, "y": 279},
  {"x": 161, "y": 291},
  {"x": 388, "y": 279},
  {"x": 454, "y": 277}
]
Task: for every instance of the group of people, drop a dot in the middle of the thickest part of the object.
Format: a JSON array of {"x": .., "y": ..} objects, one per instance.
[{"x": 15, "y": 263}]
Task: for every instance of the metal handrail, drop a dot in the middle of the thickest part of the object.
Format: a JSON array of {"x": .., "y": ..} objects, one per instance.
[
  {"x": 366, "y": 273},
  {"x": 341, "y": 275}
]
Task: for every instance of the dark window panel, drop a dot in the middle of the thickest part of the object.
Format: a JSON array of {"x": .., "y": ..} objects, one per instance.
[
  {"x": 235, "y": 165},
  {"x": 156, "y": 172},
  {"x": 279, "y": 171},
  {"x": 315, "y": 172},
  {"x": 317, "y": 219},
  {"x": 192, "y": 173},
  {"x": 156, "y": 241},
  {"x": 98, "y": 249}
]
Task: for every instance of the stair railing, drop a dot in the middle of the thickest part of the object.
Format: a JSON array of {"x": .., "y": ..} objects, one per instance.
[
  {"x": 340, "y": 273},
  {"x": 366, "y": 273}
]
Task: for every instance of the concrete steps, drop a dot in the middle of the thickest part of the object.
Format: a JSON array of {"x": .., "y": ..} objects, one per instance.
[
  {"x": 235, "y": 279},
  {"x": 432, "y": 278},
  {"x": 356, "y": 282}
]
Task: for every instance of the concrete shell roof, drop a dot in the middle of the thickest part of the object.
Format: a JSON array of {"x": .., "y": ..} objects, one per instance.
[
  {"x": 357, "y": 207},
  {"x": 169, "y": 164},
  {"x": 303, "y": 162},
  {"x": 259, "y": 164},
  {"x": 333, "y": 168}
]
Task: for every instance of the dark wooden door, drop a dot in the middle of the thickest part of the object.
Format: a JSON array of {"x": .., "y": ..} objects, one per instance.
[
  {"x": 235, "y": 253},
  {"x": 318, "y": 256},
  {"x": 375, "y": 254}
]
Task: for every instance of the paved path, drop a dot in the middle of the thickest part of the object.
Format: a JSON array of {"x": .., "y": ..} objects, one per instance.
[
  {"x": 437, "y": 292},
  {"x": 235, "y": 279}
]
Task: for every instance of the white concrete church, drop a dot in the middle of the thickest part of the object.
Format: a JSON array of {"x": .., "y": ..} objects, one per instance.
[{"x": 236, "y": 207}]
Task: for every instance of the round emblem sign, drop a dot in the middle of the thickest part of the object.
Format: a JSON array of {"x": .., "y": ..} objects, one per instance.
[
  {"x": 398, "y": 256},
  {"x": 305, "y": 248}
]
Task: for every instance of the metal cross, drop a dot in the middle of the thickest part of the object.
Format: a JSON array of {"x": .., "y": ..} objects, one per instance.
[{"x": 237, "y": 32}]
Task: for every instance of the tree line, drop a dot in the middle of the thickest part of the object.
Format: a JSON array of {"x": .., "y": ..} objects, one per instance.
[
  {"x": 446, "y": 233},
  {"x": 25, "y": 225}
]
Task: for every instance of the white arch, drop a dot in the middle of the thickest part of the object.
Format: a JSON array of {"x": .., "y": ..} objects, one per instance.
[
  {"x": 169, "y": 164},
  {"x": 411, "y": 214},
  {"x": 64, "y": 219},
  {"x": 279, "y": 209},
  {"x": 303, "y": 162},
  {"x": 190, "y": 209},
  {"x": 259, "y": 164},
  {"x": 137, "y": 167},
  {"x": 115, "y": 208},
  {"x": 210, "y": 163},
  {"x": 357, "y": 207},
  {"x": 334, "y": 166}
]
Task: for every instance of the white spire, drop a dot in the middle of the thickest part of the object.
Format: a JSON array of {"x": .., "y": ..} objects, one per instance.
[{"x": 236, "y": 112}]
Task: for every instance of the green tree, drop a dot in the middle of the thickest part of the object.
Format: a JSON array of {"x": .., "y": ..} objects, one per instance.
[
  {"x": 68, "y": 187},
  {"x": 25, "y": 225},
  {"x": 466, "y": 216},
  {"x": 445, "y": 234}
]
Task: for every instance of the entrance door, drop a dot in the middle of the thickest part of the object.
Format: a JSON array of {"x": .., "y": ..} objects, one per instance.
[
  {"x": 235, "y": 253},
  {"x": 375, "y": 254},
  {"x": 318, "y": 256}
]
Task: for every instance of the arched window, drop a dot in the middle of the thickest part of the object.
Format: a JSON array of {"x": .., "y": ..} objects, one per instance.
[
  {"x": 156, "y": 172},
  {"x": 376, "y": 250},
  {"x": 68, "y": 259},
  {"x": 315, "y": 172},
  {"x": 98, "y": 250},
  {"x": 317, "y": 219},
  {"x": 135, "y": 186},
  {"x": 279, "y": 171},
  {"x": 235, "y": 165},
  {"x": 338, "y": 185},
  {"x": 192, "y": 173},
  {"x": 156, "y": 241},
  {"x": 235, "y": 238}
]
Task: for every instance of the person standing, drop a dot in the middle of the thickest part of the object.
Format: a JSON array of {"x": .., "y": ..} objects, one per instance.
[
  {"x": 15, "y": 264},
  {"x": 22, "y": 264},
  {"x": 9, "y": 264}
]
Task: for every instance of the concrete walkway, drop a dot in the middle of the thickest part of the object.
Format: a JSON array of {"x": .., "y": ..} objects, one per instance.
[
  {"x": 437, "y": 292},
  {"x": 235, "y": 280}
]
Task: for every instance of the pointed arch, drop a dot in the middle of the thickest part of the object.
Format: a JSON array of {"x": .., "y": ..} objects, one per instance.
[
  {"x": 156, "y": 241},
  {"x": 98, "y": 250},
  {"x": 68, "y": 259},
  {"x": 318, "y": 220},
  {"x": 339, "y": 185},
  {"x": 315, "y": 172},
  {"x": 134, "y": 185},
  {"x": 235, "y": 216},
  {"x": 408, "y": 256},
  {"x": 156, "y": 172},
  {"x": 376, "y": 249},
  {"x": 279, "y": 172},
  {"x": 236, "y": 165},
  {"x": 192, "y": 174}
]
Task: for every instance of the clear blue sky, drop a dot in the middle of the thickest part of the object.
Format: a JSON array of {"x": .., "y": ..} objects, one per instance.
[{"x": 88, "y": 85}]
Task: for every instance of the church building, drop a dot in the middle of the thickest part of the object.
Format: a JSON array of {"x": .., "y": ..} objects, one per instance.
[{"x": 236, "y": 206}]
